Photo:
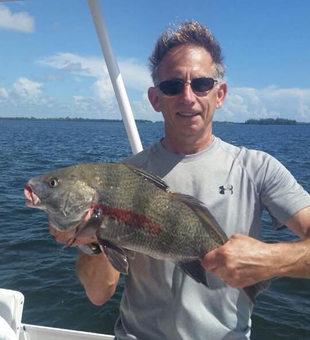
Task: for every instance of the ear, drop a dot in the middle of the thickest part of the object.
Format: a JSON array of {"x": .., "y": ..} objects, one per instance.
[
  {"x": 154, "y": 98},
  {"x": 221, "y": 94}
]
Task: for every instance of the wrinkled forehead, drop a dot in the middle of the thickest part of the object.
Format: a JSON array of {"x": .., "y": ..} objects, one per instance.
[{"x": 186, "y": 61}]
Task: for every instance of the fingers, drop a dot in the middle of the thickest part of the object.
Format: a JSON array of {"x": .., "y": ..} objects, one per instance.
[
  {"x": 241, "y": 261},
  {"x": 68, "y": 237},
  {"x": 211, "y": 260},
  {"x": 61, "y": 236}
]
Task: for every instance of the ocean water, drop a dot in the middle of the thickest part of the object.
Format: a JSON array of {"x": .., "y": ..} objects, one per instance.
[{"x": 32, "y": 262}]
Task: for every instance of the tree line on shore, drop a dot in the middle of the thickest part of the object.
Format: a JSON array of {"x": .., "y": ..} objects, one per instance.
[{"x": 271, "y": 121}]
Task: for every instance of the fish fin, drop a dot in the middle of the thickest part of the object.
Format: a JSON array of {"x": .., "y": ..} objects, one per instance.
[
  {"x": 150, "y": 177},
  {"x": 90, "y": 227},
  {"x": 195, "y": 271},
  {"x": 115, "y": 255},
  {"x": 203, "y": 214},
  {"x": 254, "y": 290}
]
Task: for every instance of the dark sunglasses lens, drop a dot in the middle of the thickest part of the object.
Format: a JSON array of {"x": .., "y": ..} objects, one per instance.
[
  {"x": 171, "y": 87},
  {"x": 202, "y": 84}
]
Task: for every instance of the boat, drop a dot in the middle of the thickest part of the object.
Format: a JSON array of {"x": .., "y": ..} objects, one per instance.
[
  {"x": 12, "y": 301},
  {"x": 11, "y": 327}
]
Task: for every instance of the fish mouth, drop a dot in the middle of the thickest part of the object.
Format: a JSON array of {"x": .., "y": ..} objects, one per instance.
[{"x": 32, "y": 199}]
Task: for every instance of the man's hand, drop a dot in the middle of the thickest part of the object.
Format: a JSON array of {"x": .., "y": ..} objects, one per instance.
[
  {"x": 242, "y": 261},
  {"x": 96, "y": 274},
  {"x": 68, "y": 237}
]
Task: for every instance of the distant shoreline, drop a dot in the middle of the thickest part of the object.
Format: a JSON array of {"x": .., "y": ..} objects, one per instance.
[
  {"x": 75, "y": 119},
  {"x": 266, "y": 121}
]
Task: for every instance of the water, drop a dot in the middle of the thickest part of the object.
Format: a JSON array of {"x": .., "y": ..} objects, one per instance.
[{"x": 32, "y": 262}]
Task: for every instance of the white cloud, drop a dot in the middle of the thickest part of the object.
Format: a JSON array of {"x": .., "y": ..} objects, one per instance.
[
  {"x": 103, "y": 91},
  {"x": 135, "y": 75},
  {"x": 95, "y": 96},
  {"x": 3, "y": 94},
  {"x": 27, "y": 89},
  {"x": 21, "y": 21},
  {"x": 270, "y": 102},
  {"x": 75, "y": 64},
  {"x": 27, "y": 97},
  {"x": 241, "y": 103},
  {"x": 54, "y": 77},
  {"x": 82, "y": 104},
  {"x": 143, "y": 110}
]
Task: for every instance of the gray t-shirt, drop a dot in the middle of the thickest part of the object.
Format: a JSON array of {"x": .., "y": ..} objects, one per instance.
[{"x": 160, "y": 301}]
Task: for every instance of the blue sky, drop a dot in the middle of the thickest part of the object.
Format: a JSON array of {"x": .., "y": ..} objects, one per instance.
[{"x": 51, "y": 63}]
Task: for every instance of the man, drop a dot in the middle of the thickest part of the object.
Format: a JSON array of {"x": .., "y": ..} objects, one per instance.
[{"x": 236, "y": 184}]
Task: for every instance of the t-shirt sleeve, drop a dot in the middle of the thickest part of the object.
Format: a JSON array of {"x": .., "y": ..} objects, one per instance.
[{"x": 281, "y": 195}]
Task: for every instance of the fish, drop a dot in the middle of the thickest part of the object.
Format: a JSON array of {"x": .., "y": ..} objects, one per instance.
[{"x": 130, "y": 210}]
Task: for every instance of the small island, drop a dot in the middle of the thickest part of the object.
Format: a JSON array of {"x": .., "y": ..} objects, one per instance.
[{"x": 271, "y": 121}]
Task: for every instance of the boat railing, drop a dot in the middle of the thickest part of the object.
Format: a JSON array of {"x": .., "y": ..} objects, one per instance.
[
  {"x": 34, "y": 332},
  {"x": 11, "y": 310}
]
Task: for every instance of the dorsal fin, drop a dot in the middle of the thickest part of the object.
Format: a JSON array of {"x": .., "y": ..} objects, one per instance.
[
  {"x": 203, "y": 214},
  {"x": 150, "y": 177}
]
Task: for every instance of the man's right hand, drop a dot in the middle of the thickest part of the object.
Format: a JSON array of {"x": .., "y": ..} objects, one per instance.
[
  {"x": 68, "y": 237},
  {"x": 96, "y": 274}
]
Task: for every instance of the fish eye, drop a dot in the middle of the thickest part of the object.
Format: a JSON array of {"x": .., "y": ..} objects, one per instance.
[{"x": 53, "y": 182}]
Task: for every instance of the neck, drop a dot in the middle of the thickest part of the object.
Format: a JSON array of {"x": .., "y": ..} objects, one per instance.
[{"x": 187, "y": 146}]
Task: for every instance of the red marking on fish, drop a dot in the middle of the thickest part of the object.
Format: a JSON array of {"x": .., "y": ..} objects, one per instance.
[{"x": 129, "y": 218}]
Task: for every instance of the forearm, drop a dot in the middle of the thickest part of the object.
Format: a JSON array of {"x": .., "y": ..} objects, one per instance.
[
  {"x": 97, "y": 276},
  {"x": 292, "y": 259}
]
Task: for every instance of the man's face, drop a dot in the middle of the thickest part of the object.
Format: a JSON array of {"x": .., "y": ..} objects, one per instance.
[{"x": 187, "y": 114}]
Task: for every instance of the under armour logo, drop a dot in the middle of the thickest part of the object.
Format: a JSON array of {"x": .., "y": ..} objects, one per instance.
[{"x": 226, "y": 187}]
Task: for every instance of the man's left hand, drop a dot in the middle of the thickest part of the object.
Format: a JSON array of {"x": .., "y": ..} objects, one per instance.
[{"x": 242, "y": 261}]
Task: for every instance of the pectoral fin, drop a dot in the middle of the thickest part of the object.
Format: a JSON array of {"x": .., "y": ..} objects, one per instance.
[
  {"x": 90, "y": 227},
  {"x": 115, "y": 255}
]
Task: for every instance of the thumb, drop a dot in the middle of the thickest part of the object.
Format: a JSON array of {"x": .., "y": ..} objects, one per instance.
[{"x": 210, "y": 261}]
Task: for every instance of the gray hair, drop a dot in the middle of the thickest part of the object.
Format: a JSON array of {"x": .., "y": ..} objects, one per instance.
[{"x": 187, "y": 33}]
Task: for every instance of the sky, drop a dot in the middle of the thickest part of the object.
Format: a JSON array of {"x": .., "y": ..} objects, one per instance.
[{"x": 51, "y": 63}]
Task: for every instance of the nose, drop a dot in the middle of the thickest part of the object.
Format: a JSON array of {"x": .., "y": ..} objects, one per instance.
[{"x": 188, "y": 95}]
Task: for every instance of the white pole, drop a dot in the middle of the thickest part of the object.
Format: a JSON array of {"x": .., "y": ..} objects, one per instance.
[{"x": 116, "y": 77}]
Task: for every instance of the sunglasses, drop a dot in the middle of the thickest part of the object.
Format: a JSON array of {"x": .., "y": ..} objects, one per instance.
[{"x": 174, "y": 87}]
